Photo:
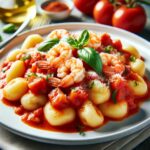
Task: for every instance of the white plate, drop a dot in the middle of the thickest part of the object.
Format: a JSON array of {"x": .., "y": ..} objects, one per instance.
[{"x": 110, "y": 131}]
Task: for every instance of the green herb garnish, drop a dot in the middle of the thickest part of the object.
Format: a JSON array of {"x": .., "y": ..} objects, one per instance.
[
  {"x": 136, "y": 83},
  {"x": 92, "y": 58},
  {"x": 132, "y": 58},
  {"x": 83, "y": 39},
  {"x": 26, "y": 57},
  {"x": 31, "y": 74},
  {"x": 108, "y": 49},
  {"x": 90, "y": 86},
  {"x": 80, "y": 129},
  {"x": 3, "y": 70},
  {"x": 114, "y": 94},
  {"x": 47, "y": 45},
  {"x": 48, "y": 76},
  {"x": 9, "y": 28}
]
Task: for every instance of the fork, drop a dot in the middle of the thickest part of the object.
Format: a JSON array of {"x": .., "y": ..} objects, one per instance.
[{"x": 39, "y": 20}]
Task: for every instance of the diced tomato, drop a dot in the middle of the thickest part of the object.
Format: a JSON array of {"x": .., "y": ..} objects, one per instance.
[
  {"x": 124, "y": 92},
  {"x": 117, "y": 45},
  {"x": 75, "y": 54},
  {"x": 2, "y": 83},
  {"x": 58, "y": 99},
  {"x": 78, "y": 97},
  {"x": 35, "y": 117},
  {"x": 34, "y": 68},
  {"x": 19, "y": 110},
  {"x": 106, "y": 40},
  {"x": 37, "y": 85}
]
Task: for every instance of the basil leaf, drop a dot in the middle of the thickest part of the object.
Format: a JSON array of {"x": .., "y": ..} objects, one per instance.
[
  {"x": 84, "y": 38},
  {"x": 114, "y": 94},
  {"x": 9, "y": 28},
  {"x": 92, "y": 58},
  {"x": 73, "y": 43},
  {"x": 46, "y": 45}
]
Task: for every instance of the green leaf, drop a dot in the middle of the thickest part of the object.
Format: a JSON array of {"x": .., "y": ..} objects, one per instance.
[
  {"x": 92, "y": 58},
  {"x": 9, "y": 28},
  {"x": 1, "y": 39},
  {"x": 49, "y": 75},
  {"x": 73, "y": 43},
  {"x": 84, "y": 38},
  {"x": 47, "y": 45},
  {"x": 114, "y": 94}
]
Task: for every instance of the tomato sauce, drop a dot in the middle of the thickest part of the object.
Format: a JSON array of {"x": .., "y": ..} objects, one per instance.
[{"x": 55, "y": 7}]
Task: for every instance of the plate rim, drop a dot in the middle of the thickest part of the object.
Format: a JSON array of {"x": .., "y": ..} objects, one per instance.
[{"x": 65, "y": 141}]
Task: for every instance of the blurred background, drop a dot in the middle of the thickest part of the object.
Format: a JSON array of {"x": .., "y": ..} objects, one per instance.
[{"x": 42, "y": 12}]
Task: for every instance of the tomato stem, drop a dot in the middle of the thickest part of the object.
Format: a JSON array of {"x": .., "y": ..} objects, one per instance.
[{"x": 144, "y": 2}]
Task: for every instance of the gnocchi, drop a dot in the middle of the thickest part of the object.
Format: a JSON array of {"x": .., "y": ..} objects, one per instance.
[
  {"x": 15, "y": 89},
  {"x": 73, "y": 81},
  {"x": 31, "y": 41},
  {"x": 132, "y": 50},
  {"x": 58, "y": 117},
  {"x": 98, "y": 92},
  {"x": 115, "y": 111},
  {"x": 16, "y": 70},
  {"x": 31, "y": 101},
  {"x": 90, "y": 115},
  {"x": 139, "y": 86},
  {"x": 13, "y": 54},
  {"x": 138, "y": 66}
]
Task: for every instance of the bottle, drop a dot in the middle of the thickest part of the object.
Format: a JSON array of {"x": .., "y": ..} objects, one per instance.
[{"x": 16, "y": 11}]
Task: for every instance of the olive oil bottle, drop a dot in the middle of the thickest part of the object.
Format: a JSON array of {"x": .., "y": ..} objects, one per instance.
[{"x": 16, "y": 11}]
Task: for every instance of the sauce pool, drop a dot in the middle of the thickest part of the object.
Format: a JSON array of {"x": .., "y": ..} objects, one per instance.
[{"x": 55, "y": 7}]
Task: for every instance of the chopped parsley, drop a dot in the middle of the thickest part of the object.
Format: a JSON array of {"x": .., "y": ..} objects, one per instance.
[
  {"x": 3, "y": 70},
  {"x": 80, "y": 129},
  {"x": 136, "y": 83},
  {"x": 26, "y": 57},
  {"x": 90, "y": 86},
  {"x": 132, "y": 58},
  {"x": 108, "y": 49},
  {"x": 49, "y": 75},
  {"x": 31, "y": 74},
  {"x": 114, "y": 94}
]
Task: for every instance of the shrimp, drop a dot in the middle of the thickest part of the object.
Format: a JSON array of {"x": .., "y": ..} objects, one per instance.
[
  {"x": 72, "y": 71},
  {"x": 59, "y": 53},
  {"x": 59, "y": 34},
  {"x": 94, "y": 40},
  {"x": 112, "y": 64}
]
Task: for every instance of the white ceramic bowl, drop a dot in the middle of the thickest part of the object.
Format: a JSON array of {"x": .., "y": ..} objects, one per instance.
[
  {"x": 112, "y": 130},
  {"x": 57, "y": 15}
]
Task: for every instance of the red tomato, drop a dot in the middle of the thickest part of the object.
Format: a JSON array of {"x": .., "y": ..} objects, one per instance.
[
  {"x": 37, "y": 85},
  {"x": 78, "y": 97},
  {"x": 131, "y": 19},
  {"x": 106, "y": 40},
  {"x": 103, "y": 12},
  {"x": 58, "y": 99},
  {"x": 85, "y": 6}
]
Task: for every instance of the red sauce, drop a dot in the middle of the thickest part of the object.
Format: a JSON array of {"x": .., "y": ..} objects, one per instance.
[
  {"x": 36, "y": 118},
  {"x": 55, "y": 7}
]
